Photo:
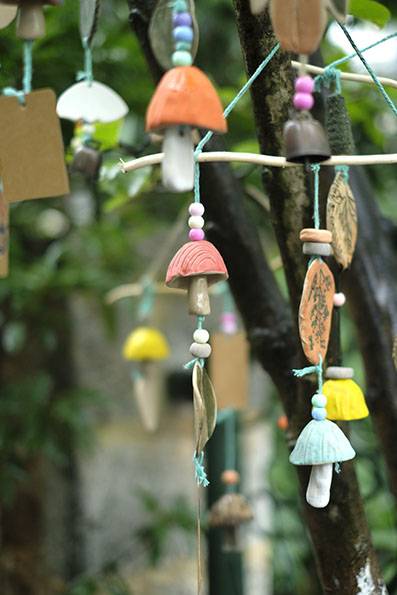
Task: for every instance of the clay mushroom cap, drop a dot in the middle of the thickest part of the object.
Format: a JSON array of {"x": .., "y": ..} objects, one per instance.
[
  {"x": 196, "y": 259},
  {"x": 144, "y": 344},
  {"x": 320, "y": 443},
  {"x": 185, "y": 96},
  {"x": 231, "y": 510}
]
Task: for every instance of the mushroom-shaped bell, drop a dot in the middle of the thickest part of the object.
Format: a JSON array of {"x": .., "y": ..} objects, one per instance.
[
  {"x": 91, "y": 102},
  {"x": 30, "y": 20},
  {"x": 345, "y": 400},
  {"x": 321, "y": 444},
  {"x": 195, "y": 267},
  {"x": 184, "y": 99},
  {"x": 228, "y": 513},
  {"x": 147, "y": 346},
  {"x": 305, "y": 140}
]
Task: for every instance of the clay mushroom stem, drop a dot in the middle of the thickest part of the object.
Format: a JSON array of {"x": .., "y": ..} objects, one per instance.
[
  {"x": 184, "y": 99},
  {"x": 318, "y": 491},
  {"x": 195, "y": 267}
]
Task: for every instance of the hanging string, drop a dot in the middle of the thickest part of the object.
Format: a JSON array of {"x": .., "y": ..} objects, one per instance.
[
  {"x": 201, "y": 475},
  {"x": 27, "y": 75},
  {"x": 315, "y": 167},
  {"x": 227, "y": 111},
  {"x": 317, "y": 369},
  {"x": 146, "y": 303},
  {"x": 86, "y": 74}
]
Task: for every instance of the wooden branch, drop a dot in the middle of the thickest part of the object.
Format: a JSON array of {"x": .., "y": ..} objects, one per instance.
[{"x": 339, "y": 533}]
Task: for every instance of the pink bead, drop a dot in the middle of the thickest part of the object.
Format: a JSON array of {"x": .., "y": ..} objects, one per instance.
[
  {"x": 303, "y": 101},
  {"x": 196, "y": 234},
  {"x": 196, "y": 208},
  {"x": 339, "y": 300},
  {"x": 229, "y": 323},
  {"x": 304, "y": 84}
]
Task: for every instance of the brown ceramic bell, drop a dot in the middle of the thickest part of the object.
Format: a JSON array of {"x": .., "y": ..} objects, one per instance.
[
  {"x": 87, "y": 161},
  {"x": 305, "y": 140}
]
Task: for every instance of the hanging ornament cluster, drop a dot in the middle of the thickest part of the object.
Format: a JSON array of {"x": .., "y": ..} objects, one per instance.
[
  {"x": 184, "y": 100},
  {"x": 89, "y": 103}
]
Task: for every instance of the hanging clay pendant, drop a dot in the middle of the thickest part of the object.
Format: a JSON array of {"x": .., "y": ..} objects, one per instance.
[
  {"x": 298, "y": 24},
  {"x": 205, "y": 407},
  {"x": 305, "y": 140},
  {"x": 195, "y": 267},
  {"x": 184, "y": 99},
  {"x": 342, "y": 220},
  {"x": 345, "y": 400},
  {"x": 315, "y": 311}
]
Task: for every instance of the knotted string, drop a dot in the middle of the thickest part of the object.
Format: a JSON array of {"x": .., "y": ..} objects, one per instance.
[
  {"x": 86, "y": 74},
  {"x": 317, "y": 369},
  {"x": 199, "y": 470},
  {"x": 26, "y": 76},
  {"x": 227, "y": 111}
]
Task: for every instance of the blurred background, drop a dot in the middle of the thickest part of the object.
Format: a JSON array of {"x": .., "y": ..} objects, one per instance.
[{"x": 91, "y": 503}]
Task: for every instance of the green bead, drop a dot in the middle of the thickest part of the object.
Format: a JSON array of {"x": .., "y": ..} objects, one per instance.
[
  {"x": 183, "y": 46},
  {"x": 180, "y": 6},
  {"x": 319, "y": 400},
  {"x": 182, "y": 59}
]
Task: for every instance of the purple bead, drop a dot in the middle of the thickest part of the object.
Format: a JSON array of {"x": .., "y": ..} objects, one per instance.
[
  {"x": 303, "y": 101},
  {"x": 182, "y": 19},
  {"x": 196, "y": 208},
  {"x": 304, "y": 84},
  {"x": 196, "y": 234},
  {"x": 319, "y": 414},
  {"x": 183, "y": 34},
  {"x": 229, "y": 323}
]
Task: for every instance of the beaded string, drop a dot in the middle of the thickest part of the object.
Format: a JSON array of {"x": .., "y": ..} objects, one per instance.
[{"x": 26, "y": 77}]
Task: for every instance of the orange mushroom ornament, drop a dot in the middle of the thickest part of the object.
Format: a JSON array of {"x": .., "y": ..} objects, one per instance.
[{"x": 184, "y": 99}]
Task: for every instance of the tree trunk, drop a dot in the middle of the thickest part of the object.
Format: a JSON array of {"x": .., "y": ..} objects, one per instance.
[{"x": 341, "y": 542}]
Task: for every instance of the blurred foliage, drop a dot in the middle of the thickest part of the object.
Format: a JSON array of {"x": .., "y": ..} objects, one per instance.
[{"x": 102, "y": 236}]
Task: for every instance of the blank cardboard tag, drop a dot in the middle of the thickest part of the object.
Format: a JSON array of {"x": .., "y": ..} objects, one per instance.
[
  {"x": 32, "y": 162},
  {"x": 4, "y": 219},
  {"x": 229, "y": 370}
]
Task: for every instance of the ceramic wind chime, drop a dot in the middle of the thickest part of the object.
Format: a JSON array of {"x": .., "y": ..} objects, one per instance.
[
  {"x": 89, "y": 102},
  {"x": 185, "y": 99},
  {"x": 146, "y": 347},
  {"x": 300, "y": 24},
  {"x": 31, "y": 139}
]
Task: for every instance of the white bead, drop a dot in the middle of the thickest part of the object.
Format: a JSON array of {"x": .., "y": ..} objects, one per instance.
[
  {"x": 201, "y": 336},
  {"x": 200, "y": 350},
  {"x": 339, "y": 300},
  {"x": 339, "y": 373},
  {"x": 196, "y": 208},
  {"x": 196, "y": 222}
]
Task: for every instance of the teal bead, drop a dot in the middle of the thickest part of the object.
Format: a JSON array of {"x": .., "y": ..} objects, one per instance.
[
  {"x": 180, "y": 6},
  {"x": 319, "y": 400},
  {"x": 184, "y": 46},
  {"x": 182, "y": 59},
  {"x": 319, "y": 413}
]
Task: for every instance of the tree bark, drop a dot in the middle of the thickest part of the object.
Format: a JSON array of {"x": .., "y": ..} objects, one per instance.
[{"x": 339, "y": 533}]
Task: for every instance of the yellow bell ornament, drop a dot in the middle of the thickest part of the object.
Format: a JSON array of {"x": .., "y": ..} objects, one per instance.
[
  {"x": 147, "y": 347},
  {"x": 345, "y": 399}
]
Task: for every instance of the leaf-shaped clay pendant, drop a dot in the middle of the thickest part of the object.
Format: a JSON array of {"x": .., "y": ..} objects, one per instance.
[
  {"x": 342, "y": 220},
  {"x": 315, "y": 311},
  {"x": 299, "y": 24},
  {"x": 205, "y": 408},
  {"x": 161, "y": 32}
]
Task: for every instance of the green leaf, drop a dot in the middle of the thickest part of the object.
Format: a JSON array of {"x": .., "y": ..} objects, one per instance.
[{"x": 370, "y": 10}]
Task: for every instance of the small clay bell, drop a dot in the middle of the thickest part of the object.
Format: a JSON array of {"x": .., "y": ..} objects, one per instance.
[
  {"x": 305, "y": 140},
  {"x": 228, "y": 513},
  {"x": 87, "y": 161}
]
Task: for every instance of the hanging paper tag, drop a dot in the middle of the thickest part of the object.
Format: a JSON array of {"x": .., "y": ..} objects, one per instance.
[
  {"x": 91, "y": 102},
  {"x": 7, "y": 15},
  {"x": 229, "y": 370},
  {"x": 315, "y": 311},
  {"x": 31, "y": 148},
  {"x": 89, "y": 13},
  {"x": 4, "y": 219}
]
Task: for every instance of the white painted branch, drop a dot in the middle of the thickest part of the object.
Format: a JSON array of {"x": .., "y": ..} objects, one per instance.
[
  {"x": 347, "y": 76},
  {"x": 268, "y": 160}
]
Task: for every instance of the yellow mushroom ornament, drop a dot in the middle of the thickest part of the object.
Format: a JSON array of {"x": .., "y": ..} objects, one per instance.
[
  {"x": 345, "y": 399},
  {"x": 147, "y": 347}
]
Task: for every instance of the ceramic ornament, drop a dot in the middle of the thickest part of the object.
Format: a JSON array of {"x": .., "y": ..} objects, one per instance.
[
  {"x": 195, "y": 267},
  {"x": 147, "y": 347},
  {"x": 89, "y": 102},
  {"x": 345, "y": 399},
  {"x": 7, "y": 15},
  {"x": 342, "y": 220},
  {"x": 30, "y": 17},
  {"x": 184, "y": 99},
  {"x": 231, "y": 511}
]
